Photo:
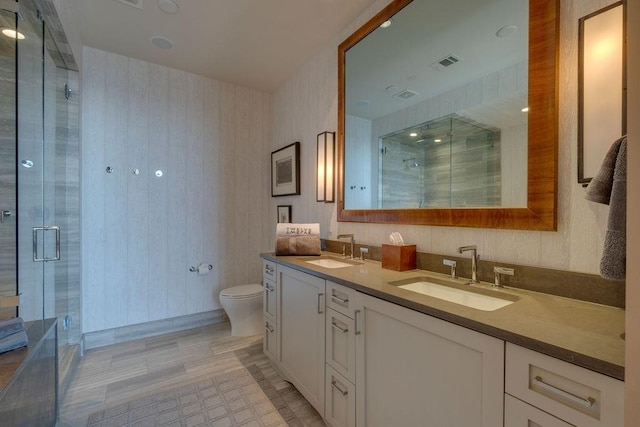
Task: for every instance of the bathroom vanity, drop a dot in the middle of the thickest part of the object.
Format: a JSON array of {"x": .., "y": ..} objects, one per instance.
[{"x": 366, "y": 352}]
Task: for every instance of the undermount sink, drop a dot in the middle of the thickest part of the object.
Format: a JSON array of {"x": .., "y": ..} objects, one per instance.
[
  {"x": 328, "y": 262},
  {"x": 469, "y": 298}
]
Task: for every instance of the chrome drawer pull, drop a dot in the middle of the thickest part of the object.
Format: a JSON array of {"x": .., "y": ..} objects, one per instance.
[
  {"x": 267, "y": 288},
  {"x": 268, "y": 327},
  {"x": 587, "y": 403},
  {"x": 343, "y": 330},
  {"x": 355, "y": 314},
  {"x": 320, "y": 305},
  {"x": 335, "y": 384},
  {"x": 340, "y": 300},
  {"x": 268, "y": 269}
]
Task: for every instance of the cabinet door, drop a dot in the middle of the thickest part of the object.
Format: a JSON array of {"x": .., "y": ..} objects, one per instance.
[
  {"x": 301, "y": 333},
  {"x": 269, "y": 299},
  {"x": 416, "y": 370},
  {"x": 269, "y": 340},
  {"x": 341, "y": 344},
  {"x": 520, "y": 414},
  {"x": 341, "y": 400}
]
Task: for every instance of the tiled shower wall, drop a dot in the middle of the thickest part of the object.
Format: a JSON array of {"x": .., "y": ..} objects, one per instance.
[
  {"x": 141, "y": 232},
  {"x": 307, "y": 104}
]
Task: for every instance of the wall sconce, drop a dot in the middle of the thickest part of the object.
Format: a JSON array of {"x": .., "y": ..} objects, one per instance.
[
  {"x": 601, "y": 87},
  {"x": 325, "y": 181}
]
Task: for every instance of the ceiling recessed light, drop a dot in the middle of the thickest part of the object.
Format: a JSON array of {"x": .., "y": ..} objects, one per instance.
[
  {"x": 413, "y": 134},
  {"x": 11, "y": 33},
  {"x": 506, "y": 31},
  {"x": 162, "y": 42},
  {"x": 168, "y": 6},
  {"x": 392, "y": 89},
  {"x": 525, "y": 110},
  {"x": 437, "y": 140},
  {"x": 386, "y": 24}
]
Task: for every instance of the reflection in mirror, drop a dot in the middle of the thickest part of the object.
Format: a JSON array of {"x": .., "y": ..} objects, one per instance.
[
  {"x": 492, "y": 64},
  {"x": 434, "y": 108},
  {"x": 451, "y": 161}
]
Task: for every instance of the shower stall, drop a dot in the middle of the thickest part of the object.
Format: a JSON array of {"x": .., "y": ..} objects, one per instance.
[{"x": 39, "y": 176}]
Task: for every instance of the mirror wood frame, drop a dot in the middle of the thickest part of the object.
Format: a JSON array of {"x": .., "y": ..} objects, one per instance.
[{"x": 542, "y": 188}]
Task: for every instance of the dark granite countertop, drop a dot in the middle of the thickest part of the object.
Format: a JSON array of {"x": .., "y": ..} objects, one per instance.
[{"x": 583, "y": 333}]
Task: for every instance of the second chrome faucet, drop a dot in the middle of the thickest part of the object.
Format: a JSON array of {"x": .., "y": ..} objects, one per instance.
[
  {"x": 349, "y": 235},
  {"x": 474, "y": 261}
]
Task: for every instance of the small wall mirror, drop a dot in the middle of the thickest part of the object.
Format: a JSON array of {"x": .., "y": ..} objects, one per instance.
[{"x": 448, "y": 115}]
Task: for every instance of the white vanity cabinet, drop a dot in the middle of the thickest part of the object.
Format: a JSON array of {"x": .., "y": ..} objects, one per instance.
[
  {"x": 269, "y": 308},
  {"x": 363, "y": 361},
  {"x": 301, "y": 333},
  {"x": 570, "y": 393},
  {"x": 416, "y": 370},
  {"x": 340, "y": 386}
]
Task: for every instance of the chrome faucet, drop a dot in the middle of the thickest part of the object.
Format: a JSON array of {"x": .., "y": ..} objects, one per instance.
[
  {"x": 350, "y": 235},
  {"x": 474, "y": 261},
  {"x": 497, "y": 271}
]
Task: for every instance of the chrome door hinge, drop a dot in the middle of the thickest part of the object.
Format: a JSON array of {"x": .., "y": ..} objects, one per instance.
[{"x": 66, "y": 322}]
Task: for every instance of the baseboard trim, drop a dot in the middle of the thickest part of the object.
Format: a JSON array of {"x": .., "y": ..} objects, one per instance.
[{"x": 149, "y": 329}]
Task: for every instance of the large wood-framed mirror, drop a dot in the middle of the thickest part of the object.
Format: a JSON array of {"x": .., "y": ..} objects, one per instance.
[{"x": 433, "y": 130}]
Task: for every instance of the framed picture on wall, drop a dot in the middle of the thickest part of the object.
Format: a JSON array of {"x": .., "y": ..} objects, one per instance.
[
  {"x": 284, "y": 213},
  {"x": 285, "y": 171},
  {"x": 601, "y": 87}
]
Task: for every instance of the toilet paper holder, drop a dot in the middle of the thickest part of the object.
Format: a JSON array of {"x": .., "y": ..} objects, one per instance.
[{"x": 195, "y": 269}]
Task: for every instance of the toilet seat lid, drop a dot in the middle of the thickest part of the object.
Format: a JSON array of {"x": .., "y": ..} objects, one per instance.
[{"x": 242, "y": 291}]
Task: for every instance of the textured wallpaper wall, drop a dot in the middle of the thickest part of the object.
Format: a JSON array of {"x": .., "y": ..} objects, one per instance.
[{"x": 141, "y": 232}]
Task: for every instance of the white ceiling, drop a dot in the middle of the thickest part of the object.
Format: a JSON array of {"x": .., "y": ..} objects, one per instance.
[{"x": 252, "y": 43}]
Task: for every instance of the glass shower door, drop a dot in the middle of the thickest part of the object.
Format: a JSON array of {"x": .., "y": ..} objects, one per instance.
[
  {"x": 8, "y": 224},
  {"x": 30, "y": 163}
]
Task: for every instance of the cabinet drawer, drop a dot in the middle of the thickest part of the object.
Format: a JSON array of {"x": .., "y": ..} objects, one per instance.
[
  {"x": 269, "y": 341},
  {"x": 340, "y": 298},
  {"x": 341, "y": 344},
  {"x": 269, "y": 270},
  {"x": 340, "y": 400},
  {"x": 520, "y": 414},
  {"x": 270, "y": 299},
  {"x": 577, "y": 395}
]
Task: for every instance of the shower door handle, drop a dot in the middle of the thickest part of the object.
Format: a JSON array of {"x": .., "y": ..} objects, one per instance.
[{"x": 35, "y": 244}]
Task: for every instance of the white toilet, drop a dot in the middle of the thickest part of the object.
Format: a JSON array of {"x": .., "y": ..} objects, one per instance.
[{"x": 243, "y": 305}]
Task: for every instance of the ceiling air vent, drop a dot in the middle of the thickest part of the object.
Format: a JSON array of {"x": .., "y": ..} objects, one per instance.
[
  {"x": 405, "y": 94},
  {"x": 445, "y": 62},
  {"x": 134, "y": 3}
]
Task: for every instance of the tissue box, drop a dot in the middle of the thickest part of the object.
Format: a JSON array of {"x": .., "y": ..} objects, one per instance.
[{"x": 399, "y": 257}]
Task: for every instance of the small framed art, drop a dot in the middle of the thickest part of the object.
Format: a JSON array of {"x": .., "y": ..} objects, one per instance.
[
  {"x": 285, "y": 171},
  {"x": 284, "y": 213}
]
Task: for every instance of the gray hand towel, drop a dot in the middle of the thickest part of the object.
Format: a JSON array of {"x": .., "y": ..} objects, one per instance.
[
  {"x": 610, "y": 188},
  {"x": 11, "y": 326},
  {"x": 13, "y": 341},
  {"x": 298, "y": 245}
]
